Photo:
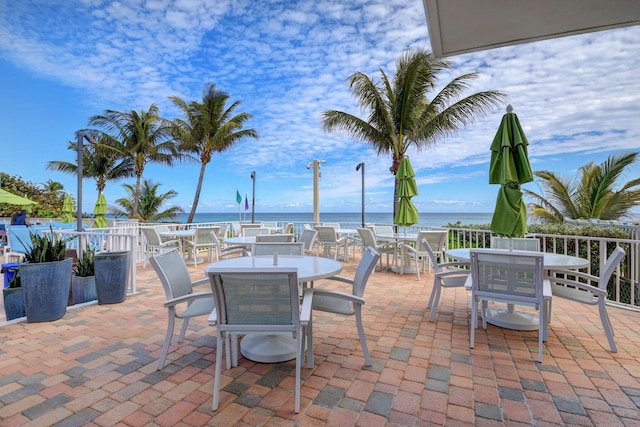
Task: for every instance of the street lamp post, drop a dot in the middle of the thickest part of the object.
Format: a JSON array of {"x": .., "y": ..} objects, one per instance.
[
  {"x": 253, "y": 197},
  {"x": 316, "y": 189},
  {"x": 361, "y": 165},
  {"x": 80, "y": 152}
]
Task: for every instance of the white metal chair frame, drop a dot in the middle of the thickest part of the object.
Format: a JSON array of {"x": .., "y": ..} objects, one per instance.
[
  {"x": 333, "y": 301},
  {"x": 446, "y": 275},
  {"x": 369, "y": 240},
  {"x": 579, "y": 289},
  {"x": 227, "y": 251},
  {"x": 309, "y": 237},
  {"x": 18, "y": 238},
  {"x": 328, "y": 239},
  {"x": 513, "y": 278},
  {"x": 282, "y": 248},
  {"x": 515, "y": 243},
  {"x": 202, "y": 239},
  {"x": 254, "y": 231},
  {"x": 261, "y": 301},
  {"x": 182, "y": 302},
  {"x": 437, "y": 242},
  {"x": 276, "y": 237},
  {"x": 155, "y": 245}
]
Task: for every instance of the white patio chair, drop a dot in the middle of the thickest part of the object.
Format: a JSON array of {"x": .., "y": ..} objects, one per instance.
[
  {"x": 182, "y": 302},
  {"x": 308, "y": 237},
  {"x": 18, "y": 242},
  {"x": 511, "y": 278},
  {"x": 263, "y": 238},
  {"x": 153, "y": 244},
  {"x": 337, "y": 302},
  {"x": 579, "y": 288},
  {"x": 226, "y": 251},
  {"x": 263, "y": 301},
  {"x": 254, "y": 231},
  {"x": 368, "y": 239},
  {"x": 414, "y": 253},
  {"x": 282, "y": 248},
  {"x": 328, "y": 239},
  {"x": 201, "y": 240},
  {"x": 446, "y": 275},
  {"x": 515, "y": 243}
]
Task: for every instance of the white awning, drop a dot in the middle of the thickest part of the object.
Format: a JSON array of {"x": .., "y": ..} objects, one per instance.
[{"x": 462, "y": 26}]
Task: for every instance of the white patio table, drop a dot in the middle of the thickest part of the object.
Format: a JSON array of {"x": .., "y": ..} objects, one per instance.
[
  {"x": 246, "y": 241},
  {"x": 277, "y": 348},
  {"x": 508, "y": 317}
]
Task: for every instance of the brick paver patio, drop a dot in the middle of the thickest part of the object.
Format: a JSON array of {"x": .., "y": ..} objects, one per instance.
[{"x": 97, "y": 366}]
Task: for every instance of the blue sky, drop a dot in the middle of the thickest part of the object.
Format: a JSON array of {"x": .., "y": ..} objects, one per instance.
[{"x": 62, "y": 61}]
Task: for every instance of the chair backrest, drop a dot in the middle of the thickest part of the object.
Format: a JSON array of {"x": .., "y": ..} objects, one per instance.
[
  {"x": 274, "y": 238},
  {"x": 173, "y": 274},
  {"x": 288, "y": 229},
  {"x": 282, "y": 248},
  {"x": 254, "y": 231},
  {"x": 151, "y": 236},
  {"x": 382, "y": 229},
  {"x": 203, "y": 235},
  {"x": 236, "y": 229},
  {"x": 367, "y": 237},
  {"x": 269, "y": 224},
  {"x": 367, "y": 263},
  {"x": 308, "y": 237},
  {"x": 335, "y": 225},
  {"x": 607, "y": 270},
  {"x": 508, "y": 276},
  {"x": 437, "y": 239},
  {"x": 222, "y": 231},
  {"x": 515, "y": 243},
  {"x": 258, "y": 300},
  {"x": 326, "y": 233},
  {"x": 19, "y": 238},
  {"x": 247, "y": 225},
  {"x": 434, "y": 259}
]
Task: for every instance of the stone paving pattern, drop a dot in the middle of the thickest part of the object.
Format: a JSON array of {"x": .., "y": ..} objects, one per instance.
[{"x": 97, "y": 366}]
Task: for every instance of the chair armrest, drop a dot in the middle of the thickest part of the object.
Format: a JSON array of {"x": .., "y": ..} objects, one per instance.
[
  {"x": 213, "y": 318},
  {"x": 457, "y": 272},
  {"x": 455, "y": 264},
  {"x": 340, "y": 279},
  {"x": 307, "y": 307},
  {"x": 579, "y": 285},
  {"x": 200, "y": 282},
  {"x": 576, "y": 273},
  {"x": 187, "y": 298},
  {"x": 338, "y": 294}
]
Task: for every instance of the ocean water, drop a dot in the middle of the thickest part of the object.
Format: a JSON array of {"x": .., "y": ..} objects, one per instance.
[{"x": 426, "y": 219}]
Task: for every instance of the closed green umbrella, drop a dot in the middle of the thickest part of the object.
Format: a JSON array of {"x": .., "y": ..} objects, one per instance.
[
  {"x": 100, "y": 210},
  {"x": 68, "y": 210},
  {"x": 510, "y": 167},
  {"x": 407, "y": 213}
]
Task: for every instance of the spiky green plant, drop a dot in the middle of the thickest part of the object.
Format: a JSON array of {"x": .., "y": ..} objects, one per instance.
[
  {"x": 84, "y": 266},
  {"x": 46, "y": 248}
]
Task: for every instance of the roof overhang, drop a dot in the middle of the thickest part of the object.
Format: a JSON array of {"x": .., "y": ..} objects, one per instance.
[{"x": 462, "y": 26}]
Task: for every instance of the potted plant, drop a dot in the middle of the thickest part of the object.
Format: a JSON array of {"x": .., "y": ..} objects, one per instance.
[
  {"x": 83, "y": 281},
  {"x": 112, "y": 276},
  {"x": 45, "y": 278},
  {"x": 12, "y": 296}
]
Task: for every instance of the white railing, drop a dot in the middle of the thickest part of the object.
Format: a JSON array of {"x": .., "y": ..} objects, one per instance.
[{"x": 624, "y": 288}]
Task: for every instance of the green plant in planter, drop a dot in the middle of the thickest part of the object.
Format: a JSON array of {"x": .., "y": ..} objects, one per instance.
[
  {"x": 85, "y": 265},
  {"x": 46, "y": 277}
]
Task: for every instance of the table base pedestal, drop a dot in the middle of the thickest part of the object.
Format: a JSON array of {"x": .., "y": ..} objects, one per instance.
[
  {"x": 268, "y": 348},
  {"x": 517, "y": 320}
]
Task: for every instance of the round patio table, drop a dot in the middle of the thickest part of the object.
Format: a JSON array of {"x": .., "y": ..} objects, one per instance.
[
  {"x": 277, "y": 348},
  {"x": 508, "y": 317}
]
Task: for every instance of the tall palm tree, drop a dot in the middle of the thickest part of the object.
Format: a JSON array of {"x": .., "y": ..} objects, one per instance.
[
  {"x": 98, "y": 162},
  {"x": 142, "y": 137},
  {"x": 208, "y": 127},
  {"x": 149, "y": 205},
  {"x": 591, "y": 194},
  {"x": 52, "y": 186},
  {"x": 400, "y": 113}
]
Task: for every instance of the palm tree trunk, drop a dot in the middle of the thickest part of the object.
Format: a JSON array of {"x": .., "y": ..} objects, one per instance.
[
  {"x": 136, "y": 199},
  {"x": 196, "y": 198}
]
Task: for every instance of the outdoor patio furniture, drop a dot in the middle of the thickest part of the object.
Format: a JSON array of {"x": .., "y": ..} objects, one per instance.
[
  {"x": 153, "y": 244},
  {"x": 446, "y": 275},
  {"x": 18, "y": 242},
  {"x": 228, "y": 251},
  {"x": 260, "y": 301},
  {"x": 182, "y": 302},
  {"x": 328, "y": 240},
  {"x": 515, "y": 243},
  {"x": 577, "y": 286},
  {"x": 512, "y": 278},
  {"x": 437, "y": 240},
  {"x": 254, "y": 231},
  {"x": 282, "y": 248},
  {"x": 308, "y": 237},
  {"x": 333, "y": 301},
  {"x": 274, "y": 238},
  {"x": 201, "y": 240},
  {"x": 368, "y": 239}
]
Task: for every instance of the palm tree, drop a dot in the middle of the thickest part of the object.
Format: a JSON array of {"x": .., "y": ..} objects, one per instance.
[
  {"x": 142, "y": 137},
  {"x": 592, "y": 194},
  {"x": 399, "y": 112},
  {"x": 149, "y": 205},
  {"x": 99, "y": 162},
  {"x": 208, "y": 127},
  {"x": 52, "y": 186}
]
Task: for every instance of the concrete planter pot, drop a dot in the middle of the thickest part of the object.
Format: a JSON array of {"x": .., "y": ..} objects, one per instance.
[
  {"x": 45, "y": 289},
  {"x": 83, "y": 289},
  {"x": 112, "y": 276},
  {"x": 13, "y": 303}
]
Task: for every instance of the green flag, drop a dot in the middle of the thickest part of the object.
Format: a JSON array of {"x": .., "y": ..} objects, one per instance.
[{"x": 238, "y": 197}]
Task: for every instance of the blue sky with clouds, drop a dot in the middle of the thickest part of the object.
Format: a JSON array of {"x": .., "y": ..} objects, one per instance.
[{"x": 62, "y": 61}]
